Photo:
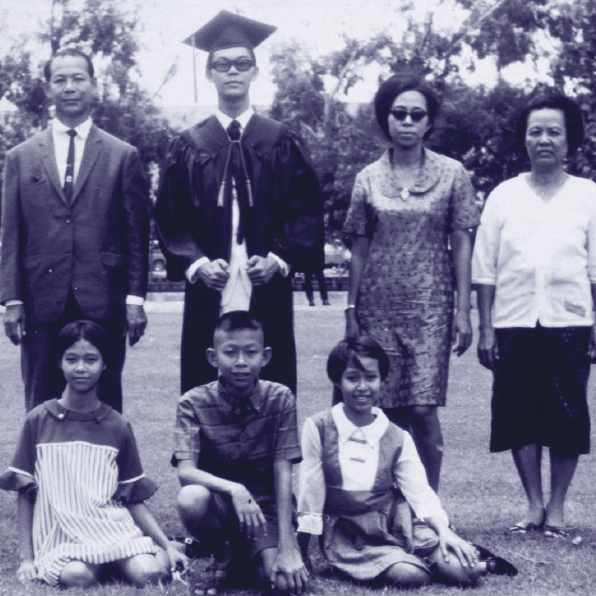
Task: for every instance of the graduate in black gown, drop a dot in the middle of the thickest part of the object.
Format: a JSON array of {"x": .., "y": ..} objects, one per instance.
[{"x": 238, "y": 207}]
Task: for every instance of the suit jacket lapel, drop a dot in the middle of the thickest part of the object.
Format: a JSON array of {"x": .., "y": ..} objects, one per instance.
[
  {"x": 90, "y": 154},
  {"x": 48, "y": 158}
]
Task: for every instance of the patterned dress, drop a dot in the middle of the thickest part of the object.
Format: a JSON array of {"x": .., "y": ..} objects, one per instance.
[
  {"x": 80, "y": 469},
  {"x": 406, "y": 297}
]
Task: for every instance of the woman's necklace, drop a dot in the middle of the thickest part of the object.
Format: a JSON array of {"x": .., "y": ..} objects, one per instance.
[{"x": 406, "y": 176}]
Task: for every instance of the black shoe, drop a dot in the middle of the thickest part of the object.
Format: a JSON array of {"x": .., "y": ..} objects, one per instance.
[{"x": 495, "y": 565}]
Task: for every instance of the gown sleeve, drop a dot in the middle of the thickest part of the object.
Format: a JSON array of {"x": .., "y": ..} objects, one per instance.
[
  {"x": 311, "y": 491},
  {"x": 175, "y": 207},
  {"x": 298, "y": 231},
  {"x": 133, "y": 485},
  {"x": 20, "y": 475}
]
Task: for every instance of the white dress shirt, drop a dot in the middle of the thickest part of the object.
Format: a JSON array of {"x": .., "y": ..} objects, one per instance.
[
  {"x": 61, "y": 141},
  {"x": 540, "y": 255},
  {"x": 237, "y": 292},
  {"x": 408, "y": 472}
]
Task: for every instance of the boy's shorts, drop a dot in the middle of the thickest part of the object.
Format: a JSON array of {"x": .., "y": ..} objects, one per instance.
[{"x": 222, "y": 508}]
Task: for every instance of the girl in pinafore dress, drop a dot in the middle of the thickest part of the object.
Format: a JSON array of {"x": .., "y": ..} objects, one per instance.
[
  {"x": 81, "y": 487},
  {"x": 360, "y": 479}
]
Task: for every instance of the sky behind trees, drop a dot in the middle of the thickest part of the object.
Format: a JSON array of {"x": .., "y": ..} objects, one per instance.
[{"x": 318, "y": 24}]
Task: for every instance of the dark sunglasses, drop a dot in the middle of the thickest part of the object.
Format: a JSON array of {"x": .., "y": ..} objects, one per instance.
[
  {"x": 241, "y": 64},
  {"x": 401, "y": 114}
]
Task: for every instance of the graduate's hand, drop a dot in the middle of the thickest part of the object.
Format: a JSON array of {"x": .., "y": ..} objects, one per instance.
[
  {"x": 26, "y": 571},
  {"x": 14, "y": 323},
  {"x": 487, "y": 348},
  {"x": 215, "y": 274},
  {"x": 136, "y": 322},
  {"x": 249, "y": 513},
  {"x": 261, "y": 269},
  {"x": 288, "y": 573},
  {"x": 462, "y": 332}
]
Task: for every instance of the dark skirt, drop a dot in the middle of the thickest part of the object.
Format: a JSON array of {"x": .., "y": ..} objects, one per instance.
[{"x": 539, "y": 389}]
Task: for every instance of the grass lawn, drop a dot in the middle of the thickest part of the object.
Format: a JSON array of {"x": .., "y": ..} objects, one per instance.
[{"x": 480, "y": 491}]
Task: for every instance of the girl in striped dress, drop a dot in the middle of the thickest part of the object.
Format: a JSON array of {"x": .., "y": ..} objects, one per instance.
[
  {"x": 361, "y": 477},
  {"x": 81, "y": 487}
]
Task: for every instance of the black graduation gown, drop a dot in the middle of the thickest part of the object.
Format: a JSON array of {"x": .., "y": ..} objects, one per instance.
[{"x": 286, "y": 218}]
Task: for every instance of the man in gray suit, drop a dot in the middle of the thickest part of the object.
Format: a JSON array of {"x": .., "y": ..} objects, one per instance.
[{"x": 75, "y": 227}]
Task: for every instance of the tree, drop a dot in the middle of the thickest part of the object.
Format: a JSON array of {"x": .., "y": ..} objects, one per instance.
[{"x": 109, "y": 33}]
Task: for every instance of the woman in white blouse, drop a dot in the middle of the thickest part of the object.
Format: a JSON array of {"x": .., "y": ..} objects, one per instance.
[{"x": 534, "y": 265}]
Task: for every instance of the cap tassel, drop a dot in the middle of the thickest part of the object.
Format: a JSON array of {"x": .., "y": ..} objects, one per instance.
[
  {"x": 220, "y": 196},
  {"x": 249, "y": 189},
  {"x": 222, "y": 187},
  {"x": 248, "y": 184}
]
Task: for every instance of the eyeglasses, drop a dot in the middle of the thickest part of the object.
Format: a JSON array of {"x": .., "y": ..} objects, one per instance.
[
  {"x": 224, "y": 65},
  {"x": 416, "y": 115}
]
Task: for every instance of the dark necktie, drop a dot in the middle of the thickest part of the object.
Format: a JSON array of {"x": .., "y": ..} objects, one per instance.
[
  {"x": 236, "y": 171},
  {"x": 69, "y": 176}
]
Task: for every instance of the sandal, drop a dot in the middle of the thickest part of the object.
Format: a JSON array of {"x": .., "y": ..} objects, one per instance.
[
  {"x": 522, "y": 528},
  {"x": 556, "y": 532},
  {"x": 214, "y": 577}
]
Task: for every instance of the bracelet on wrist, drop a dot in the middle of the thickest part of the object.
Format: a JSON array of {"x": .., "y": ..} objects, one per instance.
[{"x": 349, "y": 307}]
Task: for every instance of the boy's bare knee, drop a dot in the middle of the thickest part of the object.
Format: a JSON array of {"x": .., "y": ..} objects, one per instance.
[
  {"x": 193, "y": 500},
  {"x": 407, "y": 575},
  {"x": 77, "y": 574}
]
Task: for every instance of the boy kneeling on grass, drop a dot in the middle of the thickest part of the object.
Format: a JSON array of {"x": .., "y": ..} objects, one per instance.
[
  {"x": 235, "y": 442},
  {"x": 361, "y": 478}
]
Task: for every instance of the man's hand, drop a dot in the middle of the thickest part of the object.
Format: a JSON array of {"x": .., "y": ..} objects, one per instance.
[
  {"x": 136, "y": 322},
  {"x": 14, "y": 323},
  {"x": 261, "y": 269},
  {"x": 215, "y": 274},
  {"x": 289, "y": 574},
  {"x": 249, "y": 513},
  {"x": 487, "y": 348},
  {"x": 26, "y": 571},
  {"x": 462, "y": 332}
]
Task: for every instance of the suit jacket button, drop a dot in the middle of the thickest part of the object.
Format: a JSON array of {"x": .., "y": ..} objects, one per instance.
[{"x": 68, "y": 220}]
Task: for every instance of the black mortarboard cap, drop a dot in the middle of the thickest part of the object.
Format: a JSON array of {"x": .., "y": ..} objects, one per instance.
[{"x": 229, "y": 30}]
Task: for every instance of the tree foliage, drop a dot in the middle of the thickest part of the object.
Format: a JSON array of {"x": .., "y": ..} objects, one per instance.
[
  {"x": 108, "y": 32},
  {"x": 476, "y": 123}
]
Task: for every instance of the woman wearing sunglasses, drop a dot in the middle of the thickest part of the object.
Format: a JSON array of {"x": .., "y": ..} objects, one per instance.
[{"x": 410, "y": 219}]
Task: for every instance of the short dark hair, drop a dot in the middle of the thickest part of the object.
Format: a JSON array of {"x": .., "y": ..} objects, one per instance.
[
  {"x": 236, "y": 320},
  {"x": 349, "y": 351},
  {"x": 396, "y": 85},
  {"x": 253, "y": 57},
  {"x": 47, "y": 69},
  {"x": 555, "y": 100},
  {"x": 95, "y": 334}
]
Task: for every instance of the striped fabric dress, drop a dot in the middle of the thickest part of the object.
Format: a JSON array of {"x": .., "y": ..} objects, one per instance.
[{"x": 81, "y": 470}]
